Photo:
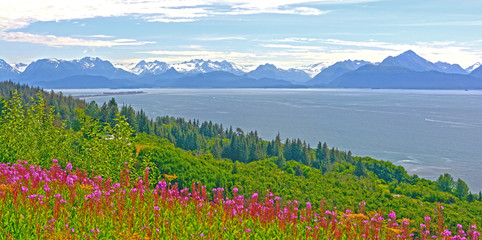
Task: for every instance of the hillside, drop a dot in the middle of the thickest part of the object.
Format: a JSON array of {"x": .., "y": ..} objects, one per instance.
[{"x": 100, "y": 140}]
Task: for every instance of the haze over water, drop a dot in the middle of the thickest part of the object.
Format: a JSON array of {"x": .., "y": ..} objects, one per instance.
[{"x": 427, "y": 132}]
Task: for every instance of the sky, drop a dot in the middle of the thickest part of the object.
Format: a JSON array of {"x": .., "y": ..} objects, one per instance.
[{"x": 287, "y": 33}]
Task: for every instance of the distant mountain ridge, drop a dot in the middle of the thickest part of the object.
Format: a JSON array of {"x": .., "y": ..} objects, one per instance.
[
  {"x": 7, "y": 71},
  {"x": 271, "y": 71},
  {"x": 406, "y": 70},
  {"x": 332, "y": 72}
]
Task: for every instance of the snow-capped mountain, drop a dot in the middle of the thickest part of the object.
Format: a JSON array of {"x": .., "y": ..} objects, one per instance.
[
  {"x": 7, "y": 72},
  {"x": 477, "y": 72},
  {"x": 407, "y": 70},
  {"x": 330, "y": 73},
  {"x": 196, "y": 66},
  {"x": 155, "y": 67},
  {"x": 272, "y": 72},
  {"x": 313, "y": 69},
  {"x": 473, "y": 67},
  {"x": 20, "y": 66},
  {"x": 53, "y": 69}
]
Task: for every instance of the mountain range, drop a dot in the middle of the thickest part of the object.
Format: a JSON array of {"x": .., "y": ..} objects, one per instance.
[{"x": 405, "y": 71}]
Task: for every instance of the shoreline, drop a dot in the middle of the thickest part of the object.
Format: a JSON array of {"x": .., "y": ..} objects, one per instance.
[{"x": 104, "y": 94}]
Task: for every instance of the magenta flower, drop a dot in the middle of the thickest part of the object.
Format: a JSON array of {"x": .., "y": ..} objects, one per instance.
[
  {"x": 68, "y": 167},
  {"x": 392, "y": 215}
]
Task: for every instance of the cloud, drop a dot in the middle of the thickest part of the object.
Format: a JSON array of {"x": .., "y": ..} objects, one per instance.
[
  {"x": 21, "y": 13},
  {"x": 219, "y": 38},
  {"x": 94, "y": 36},
  {"x": 307, "y": 11},
  {"x": 446, "y": 23},
  {"x": 305, "y": 51},
  {"x": 294, "y": 47},
  {"x": 332, "y": 50},
  {"x": 55, "y": 41}
]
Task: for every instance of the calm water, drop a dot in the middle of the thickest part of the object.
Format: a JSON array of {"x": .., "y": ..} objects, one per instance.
[{"x": 427, "y": 132}]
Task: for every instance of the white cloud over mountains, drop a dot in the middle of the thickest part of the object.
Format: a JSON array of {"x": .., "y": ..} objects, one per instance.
[
  {"x": 291, "y": 49},
  {"x": 17, "y": 14},
  {"x": 55, "y": 41},
  {"x": 20, "y": 13}
]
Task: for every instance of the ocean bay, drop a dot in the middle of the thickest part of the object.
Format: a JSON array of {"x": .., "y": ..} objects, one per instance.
[{"x": 429, "y": 132}]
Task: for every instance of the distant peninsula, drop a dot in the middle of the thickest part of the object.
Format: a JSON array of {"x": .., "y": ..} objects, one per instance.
[{"x": 109, "y": 94}]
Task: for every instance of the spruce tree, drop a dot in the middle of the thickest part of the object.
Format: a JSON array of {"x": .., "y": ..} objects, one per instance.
[{"x": 360, "y": 169}]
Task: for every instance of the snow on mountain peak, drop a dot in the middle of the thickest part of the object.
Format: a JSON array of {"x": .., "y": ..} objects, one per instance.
[
  {"x": 20, "y": 66},
  {"x": 473, "y": 67},
  {"x": 155, "y": 67},
  {"x": 313, "y": 69}
]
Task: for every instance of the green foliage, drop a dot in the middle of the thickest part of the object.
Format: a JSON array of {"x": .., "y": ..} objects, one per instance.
[
  {"x": 29, "y": 133},
  {"x": 103, "y": 138},
  {"x": 445, "y": 183},
  {"x": 102, "y": 148},
  {"x": 360, "y": 170},
  {"x": 461, "y": 189},
  {"x": 32, "y": 133}
]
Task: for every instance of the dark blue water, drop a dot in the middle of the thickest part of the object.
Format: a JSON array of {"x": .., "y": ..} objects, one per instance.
[{"x": 427, "y": 132}]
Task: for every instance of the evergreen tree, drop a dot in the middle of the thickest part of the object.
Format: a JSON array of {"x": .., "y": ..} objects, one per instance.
[
  {"x": 461, "y": 189},
  {"x": 349, "y": 157},
  {"x": 216, "y": 149},
  {"x": 360, "y": 169},
  {"x": 235, "y": 168},
  {"x": 445, "y": 183},
  {"x": 281, "y": 161}
]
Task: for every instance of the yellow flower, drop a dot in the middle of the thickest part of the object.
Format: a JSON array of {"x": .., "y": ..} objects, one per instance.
[{"x": 170, "y": 177}]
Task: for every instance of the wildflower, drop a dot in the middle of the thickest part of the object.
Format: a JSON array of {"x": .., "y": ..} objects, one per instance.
[
  {"x": 202, "y": 234},
  {"x": 255, "y": 195},
  {"x": 46, "y": 188},
  {"x": 392, "y": 215},
  {"x": 427, "y": 219},
  {"x": 24, "y": 189},
  {"x": 247, "y": 230},
  {"x": 55, "y": 160},
  {"x": 68, "y": 167}
]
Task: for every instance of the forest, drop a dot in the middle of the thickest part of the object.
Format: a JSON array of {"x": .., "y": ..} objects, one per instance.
[{"x": 102, "y": 140}]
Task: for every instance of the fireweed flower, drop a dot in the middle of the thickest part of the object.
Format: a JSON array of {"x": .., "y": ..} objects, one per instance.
[
  {"x": 392, "y": 215},
  {"x": 105, "y": 198},
  {"x": 68, "y": 167}
]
